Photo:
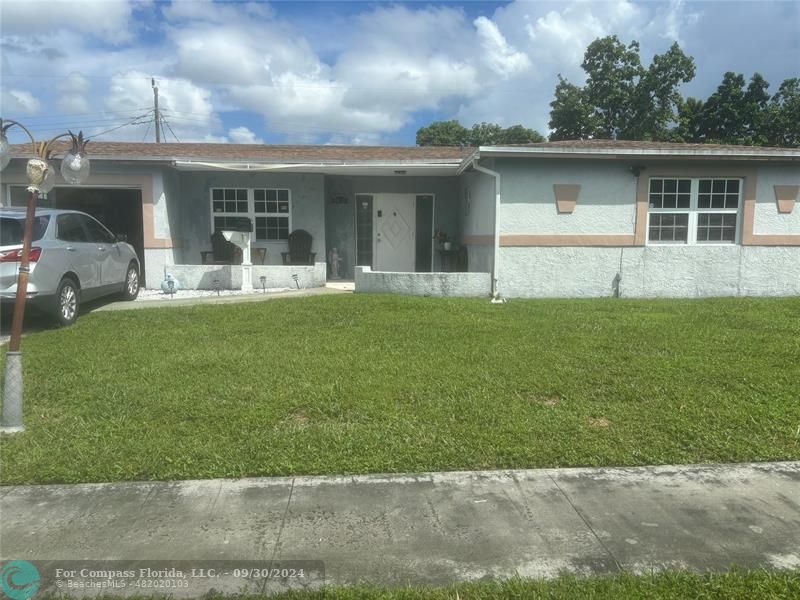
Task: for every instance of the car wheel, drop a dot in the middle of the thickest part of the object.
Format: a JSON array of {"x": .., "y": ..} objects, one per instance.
[
  {"x": 131, "y": 289},
  {"x": 67, "y": 301}
]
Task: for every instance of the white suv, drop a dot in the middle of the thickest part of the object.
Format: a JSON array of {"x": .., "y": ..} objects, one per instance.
[{"x": 73, "y": 258}]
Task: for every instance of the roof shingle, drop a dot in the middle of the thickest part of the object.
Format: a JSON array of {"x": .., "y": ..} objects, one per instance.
[{"x": 264, "y": 153}]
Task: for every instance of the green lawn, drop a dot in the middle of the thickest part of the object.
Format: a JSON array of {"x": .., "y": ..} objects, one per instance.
[
  {"x": 734, "y": 585},
  {"x": 359, "y": 384}
]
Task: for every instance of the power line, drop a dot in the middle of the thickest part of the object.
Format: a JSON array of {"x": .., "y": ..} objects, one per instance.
[
  {"x": 134, "y": 121},
  {"x": 165, "y": 122},
  {"x": 60, "y": 116},
  {"x": 146, "y": 131},
  {"x": 322, "y": 85},
  {"x": 298, "y": 128}
]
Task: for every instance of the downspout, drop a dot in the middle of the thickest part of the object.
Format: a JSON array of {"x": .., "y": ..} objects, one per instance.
[{"x": 496, "y": 259}]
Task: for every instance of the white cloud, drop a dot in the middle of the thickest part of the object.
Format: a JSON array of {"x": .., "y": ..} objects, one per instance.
[
  {"x": 108, "y": 19},
  {"x": 21, "y": 101},
  {"x": 501, "y": 56},
  {"x": 242, "y": 135},
  {"x": 186, "y": 107},
  {"x": 359, "y": 77},
  {"x": 74, "y": 94}
]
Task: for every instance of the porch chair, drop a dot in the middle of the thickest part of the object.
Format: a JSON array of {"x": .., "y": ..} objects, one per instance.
[
  {"x": 299, "y": 249},
  {"x": 222, "y": 252}
]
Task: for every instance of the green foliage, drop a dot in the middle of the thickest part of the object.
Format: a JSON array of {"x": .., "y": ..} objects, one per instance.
[
  {"x": 783, "y": 115},
  {"x": 690, "y": 125},
  {"x": 452, "y": 133},
  {"x": 571, "y": 117},
  {"x": 517, "y": 134},
  {"x": 486, "y": 134},
  {"x": 443, "y": 133},
  {"x": 382, "y": 383},
  {"x": 735, "y": 114},
  {"x": 621, "y": 99},
  {"x": 656, "y": 97},
  {"x": 612, "y": 73},
  {"x": 737, "y": 584}
]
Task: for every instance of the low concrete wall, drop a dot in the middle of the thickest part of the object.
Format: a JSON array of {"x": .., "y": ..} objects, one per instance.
[
  {"x": 423, "y": 284},
  {"x": 650, "y": 271},
  {"x": 201, "y": 277}
]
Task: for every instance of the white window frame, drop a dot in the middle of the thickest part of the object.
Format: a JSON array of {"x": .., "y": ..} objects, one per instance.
[
  {"x": 286, "y": 215},
  {"x": 694, "y": 211},
  {"x": 251, "y": 211}
]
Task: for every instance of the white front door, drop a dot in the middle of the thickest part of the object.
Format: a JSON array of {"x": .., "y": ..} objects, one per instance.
[{"x": 395, "y": 235}]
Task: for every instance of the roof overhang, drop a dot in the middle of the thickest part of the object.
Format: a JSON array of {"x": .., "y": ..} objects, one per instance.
[
  {"x": 394, "y": 169},
  {"x": 746, "y": 153}
]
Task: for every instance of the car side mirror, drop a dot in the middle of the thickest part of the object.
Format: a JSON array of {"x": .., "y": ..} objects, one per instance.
[{"x": 121, "y": 237}]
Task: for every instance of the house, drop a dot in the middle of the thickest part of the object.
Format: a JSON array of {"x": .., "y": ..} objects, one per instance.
[{"x": 571, "y": 219}]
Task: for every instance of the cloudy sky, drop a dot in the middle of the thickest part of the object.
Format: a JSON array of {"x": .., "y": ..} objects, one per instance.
[{"x": 347, "y": 72}]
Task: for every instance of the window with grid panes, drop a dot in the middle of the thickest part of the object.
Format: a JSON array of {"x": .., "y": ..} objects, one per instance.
[
  {"x": 698, "y": 210},
  {"x": 271, "y": 208},
  {"x": 227, "y": 203}
]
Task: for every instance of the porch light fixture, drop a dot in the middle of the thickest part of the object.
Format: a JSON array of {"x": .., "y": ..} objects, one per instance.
[{"x": 41, "y": 179}]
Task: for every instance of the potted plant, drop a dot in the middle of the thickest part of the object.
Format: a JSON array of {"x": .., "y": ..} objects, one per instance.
[{"x": 443, "y": 239}]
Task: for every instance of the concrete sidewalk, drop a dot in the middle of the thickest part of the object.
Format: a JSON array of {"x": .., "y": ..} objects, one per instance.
[
  {"x": 256, "y": 296},
  {"x": 429, "y": 528}
]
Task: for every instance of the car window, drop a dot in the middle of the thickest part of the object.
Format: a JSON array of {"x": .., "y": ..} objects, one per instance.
[
  {"x": 97, "y": 233},
  {"x": 70, "y": 228},
  {"x": 12, "y": 229}
]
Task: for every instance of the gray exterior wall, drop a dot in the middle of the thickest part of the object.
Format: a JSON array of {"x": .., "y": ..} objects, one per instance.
[
  {"x": 203, "y": 277},
  {"x": 340, "y": 218},
  {"x": 194, "y": 202},
  {"x": 649, "y": 271},
  {"x": 463, "y": 285},
  {"x": 476, "y": 216},
  {"x": 607, "y": 206}
]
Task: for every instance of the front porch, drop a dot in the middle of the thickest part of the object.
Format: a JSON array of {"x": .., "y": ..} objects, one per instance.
[{"x": 383, "y": 223}]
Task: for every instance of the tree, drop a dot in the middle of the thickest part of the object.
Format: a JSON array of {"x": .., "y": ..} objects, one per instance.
[
  {"x": 756, "y": 108},
  {"x": 452, "y": 133},
  {"x": 443, "y": 133},
  {"x": 782, "y": 120},
  {"x": 612, "y": 72},
  {"x": 690, "y": 127},
  {"x": 517, "y": 134},
  {"x": 571, "y": 116},
  {"x": 485, "y": 134},
  {"x": 621, "y": 99},
  {"x": 656, "y": 99},
  {"x": 725, "y": 114}
]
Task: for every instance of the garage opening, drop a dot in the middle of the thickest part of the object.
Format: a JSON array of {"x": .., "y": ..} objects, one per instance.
[{"x": 119, "y": 209}]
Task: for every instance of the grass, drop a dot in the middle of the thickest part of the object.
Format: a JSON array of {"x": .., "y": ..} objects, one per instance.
[
  {"x": 359, "y": 384},
  {"x": 734, "y": 585}
]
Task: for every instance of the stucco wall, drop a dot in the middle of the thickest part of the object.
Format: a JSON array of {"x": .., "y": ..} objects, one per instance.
[
  {"x": 202, "y": 277},
  {"x": 606, "y": 206},
  {"x": 194, "y": 199},
  {"x": 340, "y": 218},
  {"x": 423, "y": 284},
  {"x": 652, "y": 271},
  {"x": 476, "y": 214},
  {"x": 157, "y": 261},
  {"x": 605, "y": 202},
  {"x": 767, "y": 219}
]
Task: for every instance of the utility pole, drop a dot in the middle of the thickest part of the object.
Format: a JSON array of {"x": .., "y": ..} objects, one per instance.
[{"x": 155, "y": 109}]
